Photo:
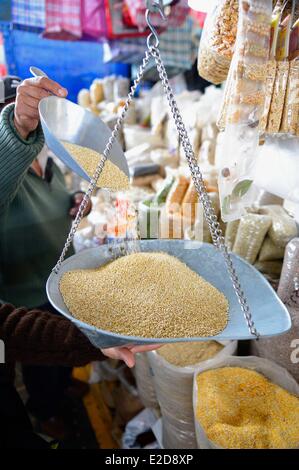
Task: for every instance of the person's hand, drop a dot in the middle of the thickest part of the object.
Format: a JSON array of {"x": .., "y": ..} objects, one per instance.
[
  {"x": 77, "y": 199},
  {"x": 29, "y": 94},
  {"x": 127, "y": 353}
]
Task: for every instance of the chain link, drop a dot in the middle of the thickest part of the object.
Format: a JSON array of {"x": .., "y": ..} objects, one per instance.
[
  {"x": 196, "y": 174},
  {"x": 99, "y": 169},
  {"x": 199, "y": 184}
]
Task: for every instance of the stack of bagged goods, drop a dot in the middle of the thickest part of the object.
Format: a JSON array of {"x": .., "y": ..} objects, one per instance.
[
  {"x": 173, "y": 368},
  {"x": 260, "y": 237},
  {"x": 245, "y": 403}
]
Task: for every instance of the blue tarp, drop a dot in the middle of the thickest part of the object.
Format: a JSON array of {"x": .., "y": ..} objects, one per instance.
[{"x": 73, "y": 64}]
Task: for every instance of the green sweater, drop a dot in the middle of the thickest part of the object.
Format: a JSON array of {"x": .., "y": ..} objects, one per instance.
[{"x": 34, "y": 218}]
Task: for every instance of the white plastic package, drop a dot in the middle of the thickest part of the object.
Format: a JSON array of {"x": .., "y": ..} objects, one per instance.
[{"x": 269, "y": 369}]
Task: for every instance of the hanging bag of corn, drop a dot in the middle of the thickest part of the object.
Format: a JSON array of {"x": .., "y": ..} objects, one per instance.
[
  {"x": 217, "y": 41},
  {"x": 173, "y": 367},
  {"x": 245, "y": 403}
]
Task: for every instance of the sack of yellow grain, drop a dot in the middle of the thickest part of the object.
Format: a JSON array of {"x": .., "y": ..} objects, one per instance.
[
  {"x": 217, "y": 41},
  {"x": 245, "y": 403},
  {"x": 173, "y": 367}
]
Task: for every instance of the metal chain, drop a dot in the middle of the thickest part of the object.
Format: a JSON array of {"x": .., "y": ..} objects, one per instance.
[
  {"x": 199, "y": 184},
  {"x": 99, "y": 169}
]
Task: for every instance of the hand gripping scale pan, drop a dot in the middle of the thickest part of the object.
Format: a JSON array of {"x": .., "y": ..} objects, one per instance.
[
  {"x": 63, "y": 120},
  {"x": 270, "y": 315}
]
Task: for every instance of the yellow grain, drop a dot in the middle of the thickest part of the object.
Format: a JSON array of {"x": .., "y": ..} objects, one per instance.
[
  {"x": 241, "y": 409},
  {"x": 111, "y": 177},
  {"x": 151, "y": 295},
  {"x": 188, "y": 354}
]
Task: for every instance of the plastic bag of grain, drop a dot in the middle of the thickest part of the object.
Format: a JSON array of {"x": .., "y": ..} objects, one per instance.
[
  {"x": 273, "y": 372},
  {"x": 217, "y": 41},
  {"x": 284, "y": 349},
  {"x": 173, "y": 378},
  {"x": 145, "y": 382}
]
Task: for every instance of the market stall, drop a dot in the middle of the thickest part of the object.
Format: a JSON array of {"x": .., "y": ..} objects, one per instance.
[{"x": 192, "y": 240}]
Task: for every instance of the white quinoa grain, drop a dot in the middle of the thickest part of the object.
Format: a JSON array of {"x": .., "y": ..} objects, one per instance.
[{"x": 151, "y": 295}]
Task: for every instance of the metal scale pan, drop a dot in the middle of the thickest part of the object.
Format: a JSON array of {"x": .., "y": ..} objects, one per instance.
[
  {"x": 63, "y": 120},
  {"x": 270, "y": 315}
]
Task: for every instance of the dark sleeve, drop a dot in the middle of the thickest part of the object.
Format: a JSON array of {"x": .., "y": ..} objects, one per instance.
[{"x": 37, "y": 337}]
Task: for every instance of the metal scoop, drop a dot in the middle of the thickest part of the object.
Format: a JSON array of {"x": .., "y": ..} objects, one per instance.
[{"x": 63, "y": 120}]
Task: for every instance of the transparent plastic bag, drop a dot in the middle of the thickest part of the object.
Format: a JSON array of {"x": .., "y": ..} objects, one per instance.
[
  {"x": 217, "y": 41},
  {"x": 174, "y": 392},
  {"x": 243, "y": 108},
  {"x": 278, "y": 97},
  {"x": 145, "y": 382},
  {"x": 269, "y": 369},
  {"x": 290, "y": 116}
]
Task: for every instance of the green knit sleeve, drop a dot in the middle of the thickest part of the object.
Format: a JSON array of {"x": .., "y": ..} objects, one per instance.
[{"x": 16, "y": 155}]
